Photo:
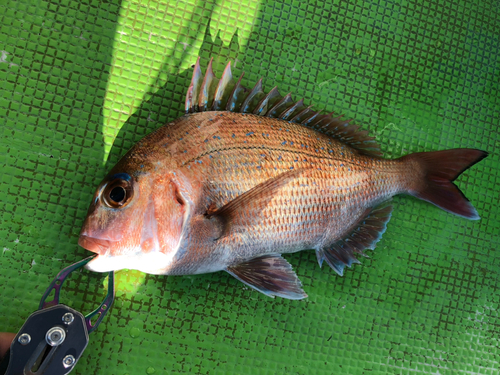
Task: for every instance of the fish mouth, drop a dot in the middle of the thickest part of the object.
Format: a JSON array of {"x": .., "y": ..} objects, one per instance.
[{"x": 95, "y": 245}]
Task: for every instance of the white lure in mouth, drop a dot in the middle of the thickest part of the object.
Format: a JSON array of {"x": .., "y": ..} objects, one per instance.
[{"x": 155, "y": 263}]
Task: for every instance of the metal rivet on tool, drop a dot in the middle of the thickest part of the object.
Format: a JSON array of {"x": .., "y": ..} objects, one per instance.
[
  {"x": 24, "y": 339},
  {"x": 68, "y": 318},
  {"x": 55, "y": 336},
  {"x": 68, "y": 361}
]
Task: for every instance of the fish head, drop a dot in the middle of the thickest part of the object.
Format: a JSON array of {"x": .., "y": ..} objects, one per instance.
[{"x": 136, "y": 221}]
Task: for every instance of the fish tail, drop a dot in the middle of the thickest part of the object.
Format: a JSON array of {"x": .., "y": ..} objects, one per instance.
[{"x": 438, "y": 170}]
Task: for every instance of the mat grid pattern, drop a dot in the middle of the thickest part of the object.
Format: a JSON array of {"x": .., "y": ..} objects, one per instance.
[{"x": 82, "y": 81}]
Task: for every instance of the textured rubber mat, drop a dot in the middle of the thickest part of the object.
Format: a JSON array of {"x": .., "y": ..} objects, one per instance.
[{"x": 83, "y": 79}]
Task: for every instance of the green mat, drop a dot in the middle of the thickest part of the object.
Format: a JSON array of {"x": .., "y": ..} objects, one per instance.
[{"x": 83, "y": 79}]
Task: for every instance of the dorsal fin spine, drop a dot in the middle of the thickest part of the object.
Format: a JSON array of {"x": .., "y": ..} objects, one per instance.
[
  {"x": 280, "y": 105},
  {"x": 303, "y": 113},
  {"x": 222, "y": 90},
  {"x": 232, "y": 101},
  {"x": 207, "y": 88},
  {"x": 307, "y": 121},
  {"x": 268, "y": 100},
  {"x": 194, "y": 89},
  {"x": 255, "y": 93},
  {"x": 290, "y": 110},
  {"x": 317, "y": 124}
]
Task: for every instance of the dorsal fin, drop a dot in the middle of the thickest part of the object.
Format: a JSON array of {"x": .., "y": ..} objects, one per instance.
[{"x": 207, "y": 93}]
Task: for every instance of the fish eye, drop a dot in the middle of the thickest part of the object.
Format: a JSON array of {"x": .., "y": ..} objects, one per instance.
[{"x": 117, "y": 193}]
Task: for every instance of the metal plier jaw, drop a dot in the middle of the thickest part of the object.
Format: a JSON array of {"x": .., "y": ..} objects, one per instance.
[{"x": 53, "y": 338}]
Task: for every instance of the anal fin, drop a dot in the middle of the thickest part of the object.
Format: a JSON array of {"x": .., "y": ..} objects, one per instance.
[
  {"x": 363, "y": 235},
  {"x": 271, "y": 275}
]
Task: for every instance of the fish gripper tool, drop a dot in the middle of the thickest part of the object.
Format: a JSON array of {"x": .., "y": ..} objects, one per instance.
[{"x": 54, "y": 337}]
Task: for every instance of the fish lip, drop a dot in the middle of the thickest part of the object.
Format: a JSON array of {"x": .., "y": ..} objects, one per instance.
[{"x": 95, "y": 245}]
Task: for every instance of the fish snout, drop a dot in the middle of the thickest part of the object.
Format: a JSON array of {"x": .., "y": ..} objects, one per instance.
[{"x": 95, "y": 245}]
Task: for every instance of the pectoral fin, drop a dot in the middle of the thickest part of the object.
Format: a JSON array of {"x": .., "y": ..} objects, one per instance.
[
  {"x": 246, "y": 208},
  {"x": 271, "y": 275}
]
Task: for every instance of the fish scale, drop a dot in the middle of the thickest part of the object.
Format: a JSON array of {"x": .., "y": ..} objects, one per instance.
[{"x": 234, "y": 189}]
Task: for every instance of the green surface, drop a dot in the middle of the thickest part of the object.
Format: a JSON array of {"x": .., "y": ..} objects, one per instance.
[{"x": 419, "y": 75}]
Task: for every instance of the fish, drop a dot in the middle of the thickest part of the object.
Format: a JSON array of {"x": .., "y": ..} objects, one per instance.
[{"x": 246, "y": 176}]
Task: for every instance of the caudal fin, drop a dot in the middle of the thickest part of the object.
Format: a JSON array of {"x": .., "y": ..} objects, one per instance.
[{"x": 441, "y": 168}]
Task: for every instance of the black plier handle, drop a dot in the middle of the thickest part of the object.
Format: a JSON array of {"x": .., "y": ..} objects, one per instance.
[{"x": 53, "y": 338}]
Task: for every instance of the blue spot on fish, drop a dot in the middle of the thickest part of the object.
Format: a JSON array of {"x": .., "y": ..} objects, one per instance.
[
  {"x": 283, "y": 143},
  {"x": 249, "y": 133},
  {"x": 234, "y": 135},
  {"x": 341, "y": 165},
  {"x": 142, "y": 165}
]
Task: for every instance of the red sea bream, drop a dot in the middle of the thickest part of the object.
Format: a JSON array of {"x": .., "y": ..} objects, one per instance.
[{"x": 246, "y": 176}]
